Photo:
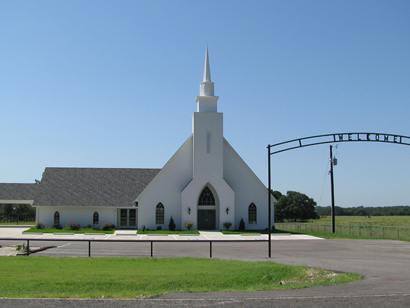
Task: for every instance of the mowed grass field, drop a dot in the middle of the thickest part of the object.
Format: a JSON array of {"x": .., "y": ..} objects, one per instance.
[
  {"x": 354, "y": 227},
  {"x": 147, "y": 277},
  {"x": 394, "y": 221}
]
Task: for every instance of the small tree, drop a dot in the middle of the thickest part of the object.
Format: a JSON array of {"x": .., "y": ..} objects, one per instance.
[
  {"x": 295, "y": 206},
  {"x": 171, "y": 225},
  {"x": 227, "y": 225},
  {"x": 241, "y": 225}
]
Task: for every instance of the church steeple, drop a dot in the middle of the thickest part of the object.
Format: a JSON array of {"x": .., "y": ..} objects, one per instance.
[
  {"x": 207, "y": 86},
  {"x": 207, "y": 69},
  {"x": 206, "y": 101}
]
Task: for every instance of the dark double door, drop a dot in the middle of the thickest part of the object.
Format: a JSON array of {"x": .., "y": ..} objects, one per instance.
[
  {"x": 127, "y": 218},
  {"x": 206, "y": 219}
]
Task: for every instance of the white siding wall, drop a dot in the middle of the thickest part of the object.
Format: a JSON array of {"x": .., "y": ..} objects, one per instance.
[
  {"x": 82, "y": 215},
  {"x": 166, "y": 188},
  {"x": 208, "y": 145},
  {"x": 248, "y": 188}
]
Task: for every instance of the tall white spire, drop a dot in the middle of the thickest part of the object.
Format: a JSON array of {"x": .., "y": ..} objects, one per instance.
[
  {"x": 206, "y": 101},
  {"x": 207, "y": 69},
  {"x": 207, "y": 86}
]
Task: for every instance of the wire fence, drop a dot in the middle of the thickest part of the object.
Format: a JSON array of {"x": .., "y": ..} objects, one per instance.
[
  {"x": 14, "y": 219},
  {"x": 350, "y": 230}
]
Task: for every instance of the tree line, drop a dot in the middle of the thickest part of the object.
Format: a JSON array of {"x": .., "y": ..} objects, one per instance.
[
  {"x": 365, "y": 211},
  {"x": 296, "y": 206}
]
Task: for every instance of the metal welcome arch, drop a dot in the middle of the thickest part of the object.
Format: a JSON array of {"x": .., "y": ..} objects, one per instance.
[{"x": 325, "y": 139}]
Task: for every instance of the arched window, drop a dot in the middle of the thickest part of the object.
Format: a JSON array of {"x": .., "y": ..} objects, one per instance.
[
  {"x": 252, "y": 214},
  {"x": 96, "y": 218},
  {"x": 56, "y": 218},
  {"x": 206, "y": 197},
  {"x": 159, "y": 214}
]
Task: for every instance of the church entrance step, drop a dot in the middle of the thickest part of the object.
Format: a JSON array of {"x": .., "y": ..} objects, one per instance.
[{"x": 125, "y": 232}]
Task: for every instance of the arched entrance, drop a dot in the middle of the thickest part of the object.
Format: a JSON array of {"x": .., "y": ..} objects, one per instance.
[{"x": 206, "y": 210}]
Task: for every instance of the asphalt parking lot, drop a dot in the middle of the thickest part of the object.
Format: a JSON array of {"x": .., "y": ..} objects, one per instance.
[{"x": 384, "y": 264}]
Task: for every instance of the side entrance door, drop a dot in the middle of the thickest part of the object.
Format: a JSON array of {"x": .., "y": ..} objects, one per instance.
[{"x": 127, "y": 218}]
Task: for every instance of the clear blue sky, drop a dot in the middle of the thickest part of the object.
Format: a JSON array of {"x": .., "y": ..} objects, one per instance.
[{"x": 113, "y": 84}]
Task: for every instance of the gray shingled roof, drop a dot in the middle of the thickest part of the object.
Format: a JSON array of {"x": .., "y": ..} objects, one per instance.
[
  {"x": 17, "y": 191},
  {"x": 117, "y": 187}
]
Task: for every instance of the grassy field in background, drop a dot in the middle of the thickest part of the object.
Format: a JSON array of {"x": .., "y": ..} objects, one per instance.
[
  {"x": 145, "y": 277},
  {"x": 396, "y": 221},
  {"x": 354, "y": 227}
]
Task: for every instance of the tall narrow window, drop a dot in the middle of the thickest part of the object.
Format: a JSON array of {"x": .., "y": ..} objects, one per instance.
[
  {"x": 56, "y": 218},
  {"x": 132, "y": 221},
  {"x": 159, "y": 214},
  {"x": 96, "y": 218},
  {"x": 208, "y": 142},
  {"x": 206, "y": 197},
  {"x": 252, "y": 214}
]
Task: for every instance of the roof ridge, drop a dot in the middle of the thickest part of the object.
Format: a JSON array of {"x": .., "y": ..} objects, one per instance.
[{"x": 103, "y": 168}]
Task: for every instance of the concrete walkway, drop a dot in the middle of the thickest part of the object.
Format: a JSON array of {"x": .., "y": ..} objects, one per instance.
[{"x": 17, "y": 233}]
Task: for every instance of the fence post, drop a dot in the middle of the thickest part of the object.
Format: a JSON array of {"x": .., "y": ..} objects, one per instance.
[
  {"x": 382, "y": 232},
  {"x": 210, "y": 249},
  {"x": 398, "y": 233},
  {"x": 152, "y": 249},
  {"x": 89, "y": 248},
  {"x": 28, "y": 248}
]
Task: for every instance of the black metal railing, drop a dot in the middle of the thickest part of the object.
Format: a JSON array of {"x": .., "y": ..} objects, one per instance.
[{"x": 90, "y": 241}]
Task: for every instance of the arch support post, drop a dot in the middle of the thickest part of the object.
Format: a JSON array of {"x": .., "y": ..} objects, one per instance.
[{"x": 269, "y": 205}]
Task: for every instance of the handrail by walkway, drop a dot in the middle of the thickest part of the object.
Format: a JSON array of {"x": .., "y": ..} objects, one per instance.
[{"x": 28, "y": 240}]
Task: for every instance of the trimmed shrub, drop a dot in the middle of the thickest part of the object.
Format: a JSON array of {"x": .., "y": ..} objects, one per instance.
[
  {"x": 241, "y": 225},
  {"x": 58, "y": 226},
  {"x": 159, "y": 228},
  {"x": 227, "y": 225},
  {"x": 108, "y": 227},
  {"x": 40, "y": 226},
  {"x": 189, "y": 225},
  {"x": 75, "y": 227},
  {"x": 171, "y": 225}
]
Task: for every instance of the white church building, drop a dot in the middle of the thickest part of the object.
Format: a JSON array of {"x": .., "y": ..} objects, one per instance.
[{"x": 204, "y": 185}]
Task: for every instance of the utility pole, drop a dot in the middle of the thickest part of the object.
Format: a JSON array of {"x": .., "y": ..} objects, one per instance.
[{"x": 332, "y": 189}]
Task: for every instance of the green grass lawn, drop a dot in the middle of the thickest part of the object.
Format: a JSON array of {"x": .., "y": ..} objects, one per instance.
[
  {"x": 68, "y": 230},
  {"x": 246, "y": 232},
  {"x": 166, "y": 232},
  {"x": 145, "y": 277}
]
